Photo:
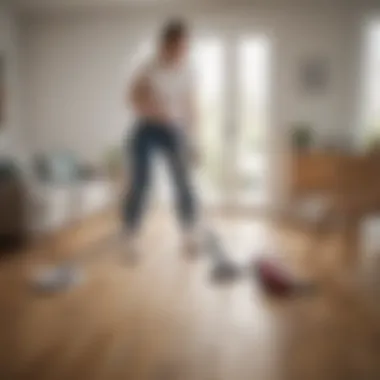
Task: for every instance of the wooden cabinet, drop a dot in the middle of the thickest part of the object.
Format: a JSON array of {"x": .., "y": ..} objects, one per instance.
[
  {"x": 343, "y": 176},
  {"x": 350, "y": 185},
  {"x": 313, "y": 173}
]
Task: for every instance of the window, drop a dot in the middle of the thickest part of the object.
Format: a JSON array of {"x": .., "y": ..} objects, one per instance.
[
  {"x": 372, "y": 82},
  {"x": 208, "y": 57},
  {"x": 253, "y": 84}
]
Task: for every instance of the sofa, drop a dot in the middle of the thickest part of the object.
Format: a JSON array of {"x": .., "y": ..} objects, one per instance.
[
  {"x": 13, "y": 205},
  {"x": 63, "y": 190}
]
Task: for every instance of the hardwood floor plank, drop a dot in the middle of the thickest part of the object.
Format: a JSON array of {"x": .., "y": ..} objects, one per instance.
[{"x": 163, "y": 318}]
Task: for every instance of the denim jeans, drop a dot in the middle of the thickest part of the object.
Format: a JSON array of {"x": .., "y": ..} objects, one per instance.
[{"x": 148, "y": 138}]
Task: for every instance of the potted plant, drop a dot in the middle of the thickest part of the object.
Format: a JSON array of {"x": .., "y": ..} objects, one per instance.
[{"x": 302, "y": 137}]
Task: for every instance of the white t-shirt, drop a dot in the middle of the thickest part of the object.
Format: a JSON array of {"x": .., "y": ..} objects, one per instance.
[{"x": 171, "y": 85}]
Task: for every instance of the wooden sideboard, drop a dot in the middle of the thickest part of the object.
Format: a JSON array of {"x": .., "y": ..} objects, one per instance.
[
  {"x": 350, "y": 184},
  {"x": 334, "y": 174},
  {"x": 313, "y": 173}
]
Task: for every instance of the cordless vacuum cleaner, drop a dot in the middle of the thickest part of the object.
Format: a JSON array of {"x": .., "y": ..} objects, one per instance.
[{"x": 274, "y": 277}]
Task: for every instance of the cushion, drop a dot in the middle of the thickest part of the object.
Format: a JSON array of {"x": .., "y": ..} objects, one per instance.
[
  {"x": 8, "y": 170},
  {"x": 60, "y": 167}
]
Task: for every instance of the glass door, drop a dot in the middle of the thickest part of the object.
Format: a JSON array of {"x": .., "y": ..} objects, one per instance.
[
  {"x": 252, "y": 87},
  {"x": 209, "y": 62},
  {"x": 233, "y": 98},
  {"x": 370, "y": 123}
]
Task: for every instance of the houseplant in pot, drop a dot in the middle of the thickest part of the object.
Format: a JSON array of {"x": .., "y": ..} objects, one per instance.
[{"x": 302, "y": 137}]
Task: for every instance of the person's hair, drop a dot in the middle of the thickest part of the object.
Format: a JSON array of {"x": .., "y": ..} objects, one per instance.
[{"x": 173, "y": 31}]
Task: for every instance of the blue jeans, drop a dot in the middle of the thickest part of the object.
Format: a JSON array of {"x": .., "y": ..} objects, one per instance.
[{"x": 148, "y": 138}]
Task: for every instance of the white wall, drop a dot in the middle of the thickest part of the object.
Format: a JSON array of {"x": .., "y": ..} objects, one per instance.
[
  {"x": 75, "y": 67},
  {"x": 75, "y": 64},
  {"x": 11, "y": 133},
  {"x": 74, "y": 73}
]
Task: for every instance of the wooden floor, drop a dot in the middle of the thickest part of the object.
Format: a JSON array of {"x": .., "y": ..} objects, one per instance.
[{"x": 163, "y": 319}]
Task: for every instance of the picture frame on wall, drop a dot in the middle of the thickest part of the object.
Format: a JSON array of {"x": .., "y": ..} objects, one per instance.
[{"x": 314, "y": 76}]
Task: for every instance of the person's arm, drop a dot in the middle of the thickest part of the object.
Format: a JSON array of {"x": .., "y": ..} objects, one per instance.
[{"x": 144, "y": 101}]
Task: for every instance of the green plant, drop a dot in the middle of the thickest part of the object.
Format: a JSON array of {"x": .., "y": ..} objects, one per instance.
[{"x": 302, "y": 136}]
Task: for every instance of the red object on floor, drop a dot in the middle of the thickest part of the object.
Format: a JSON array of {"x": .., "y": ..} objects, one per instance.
[{"x": 275, "y": 278}]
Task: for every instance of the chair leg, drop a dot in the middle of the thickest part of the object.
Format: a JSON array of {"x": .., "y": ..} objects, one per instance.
[
  {"x": 319, "y": 236},
  {"x": 351, "y": 240}
]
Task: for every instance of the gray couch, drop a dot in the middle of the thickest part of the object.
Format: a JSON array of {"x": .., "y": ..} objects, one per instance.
[
  {"x": 13, "y": 206},
  {"x": 63, "y": 191}
]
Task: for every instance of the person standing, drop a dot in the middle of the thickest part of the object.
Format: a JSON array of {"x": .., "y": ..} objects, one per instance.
[{"x": 161, "y": 98}]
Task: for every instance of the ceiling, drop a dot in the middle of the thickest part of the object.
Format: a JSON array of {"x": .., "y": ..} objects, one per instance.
[
  {"x": 35, "y": 5},
  {"x": 30, "y": 4}
]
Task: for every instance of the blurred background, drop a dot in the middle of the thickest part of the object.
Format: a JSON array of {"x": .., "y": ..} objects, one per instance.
[
  {"x": 288, "y": 101},
  {"x": 267, "y": 72}
]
